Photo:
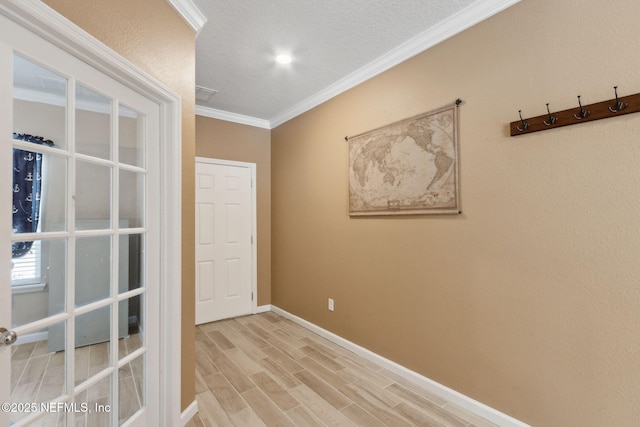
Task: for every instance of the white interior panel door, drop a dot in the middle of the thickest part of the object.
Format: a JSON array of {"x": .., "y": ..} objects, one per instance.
[{"x": 224, "y": 241}]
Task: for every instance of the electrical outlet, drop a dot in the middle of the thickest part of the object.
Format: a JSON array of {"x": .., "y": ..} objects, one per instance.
[{"x": 330, "y": 304}]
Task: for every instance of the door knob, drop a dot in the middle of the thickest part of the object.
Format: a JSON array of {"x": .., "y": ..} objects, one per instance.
[{"x": 7, "y": 337}]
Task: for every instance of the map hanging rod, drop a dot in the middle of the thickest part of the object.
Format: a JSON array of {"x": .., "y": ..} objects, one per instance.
[{"x": 346, "y": 138}]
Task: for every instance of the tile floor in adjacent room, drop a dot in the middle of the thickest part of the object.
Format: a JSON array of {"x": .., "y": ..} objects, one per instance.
[
  {"x": 38, "y": 375},
  {"x": 264, "y": 370}
]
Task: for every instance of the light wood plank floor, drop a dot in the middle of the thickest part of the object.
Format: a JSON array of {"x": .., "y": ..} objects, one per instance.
[{"x": 264, "y": 370}]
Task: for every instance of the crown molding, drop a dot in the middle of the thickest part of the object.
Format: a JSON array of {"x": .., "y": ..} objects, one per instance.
[
  {"x": 232, "y": 117},
  {"x": 190, "y": 13},
  {"x": 44, "y": 21},
  {"x": 468, "y": 17}
]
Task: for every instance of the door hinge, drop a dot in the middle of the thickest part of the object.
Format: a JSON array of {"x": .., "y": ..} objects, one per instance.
[
  {"x": 251, "y": 296},
  {"x": 252, "y": 240}
]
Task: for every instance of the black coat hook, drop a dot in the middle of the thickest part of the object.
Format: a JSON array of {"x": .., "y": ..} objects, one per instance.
[
  {"x": 619, "y": 105},
  {"x": 523, "y": 123},
  {"x": 552, "y": 118},
  {"x": 582, "y": 113}
]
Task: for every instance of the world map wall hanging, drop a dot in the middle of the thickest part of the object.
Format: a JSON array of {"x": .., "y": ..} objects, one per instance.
[{"x": 407, "y": 168}]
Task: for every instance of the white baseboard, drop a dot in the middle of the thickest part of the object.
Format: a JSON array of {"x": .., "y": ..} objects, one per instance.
[
  {"x": 262, "y": 309},
  {"x": 32, "y": 337},
  {"x": 188, "y": 413},
  {"x": 459, "y": 399}
]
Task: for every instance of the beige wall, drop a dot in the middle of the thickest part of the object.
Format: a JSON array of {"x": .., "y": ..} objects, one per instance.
[
  {"x": 529, "y": 300},
  {"x": 219, "y": 139},
  {"x": 151, "y": 35}
]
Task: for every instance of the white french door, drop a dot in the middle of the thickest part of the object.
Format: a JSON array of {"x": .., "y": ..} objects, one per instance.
[{"x": 80, "y": 283}]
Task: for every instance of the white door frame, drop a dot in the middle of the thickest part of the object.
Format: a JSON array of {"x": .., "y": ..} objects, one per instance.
[
  {"x": 53, "y": 27},
  {"x": 254, "y": 227}
]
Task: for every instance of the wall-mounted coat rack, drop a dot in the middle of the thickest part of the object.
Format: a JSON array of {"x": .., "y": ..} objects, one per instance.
[{"x": 581, "y": 114}]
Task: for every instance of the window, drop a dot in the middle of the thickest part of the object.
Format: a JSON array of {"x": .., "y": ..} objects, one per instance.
[{"x": 25, "y": 270}]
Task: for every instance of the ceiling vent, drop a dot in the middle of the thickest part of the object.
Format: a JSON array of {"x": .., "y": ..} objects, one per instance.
[{"x": 204, "y": 94}]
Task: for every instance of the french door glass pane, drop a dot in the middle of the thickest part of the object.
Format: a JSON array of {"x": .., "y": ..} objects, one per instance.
[
  {"x": 93, "y": 123},
  {"x": 131, "y": 254},
  {"x": 37, "y": 373},
  {"x": 131, "y": 387},
  {"x": 53, "y": 203},
  {"x": 97, "y": 399},
  {"x": 133, "y": 340},
  {"x": 93, "y": 269},
  {"x": 92, "y": 343},
  {"x": 131, "y": 198},
  {"x": 56, "y": 419},
  {"x": 93, "y": 196},
  {"x": 39, "y": 101},
  {"x": 130, "y": 137},
  {"x": 40, "y": 292}
]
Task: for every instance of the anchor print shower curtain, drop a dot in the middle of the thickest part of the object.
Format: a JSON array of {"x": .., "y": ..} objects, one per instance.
[{"x": 27, "y": 187}]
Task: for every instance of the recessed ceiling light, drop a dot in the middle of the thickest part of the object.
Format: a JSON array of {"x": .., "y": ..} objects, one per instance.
[{"x": 283, "y": 58}]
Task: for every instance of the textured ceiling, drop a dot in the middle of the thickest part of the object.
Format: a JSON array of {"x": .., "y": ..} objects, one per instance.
[{"x": 329, "y": 40}]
